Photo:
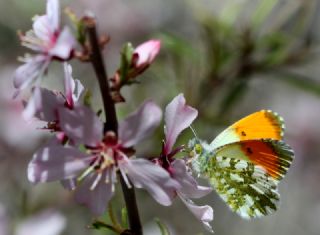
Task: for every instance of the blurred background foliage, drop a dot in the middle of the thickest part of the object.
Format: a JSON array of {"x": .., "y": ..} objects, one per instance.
[{"x": 229, "y": 58}]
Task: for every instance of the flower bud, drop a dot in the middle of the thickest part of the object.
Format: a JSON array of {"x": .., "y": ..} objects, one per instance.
[{"x": 145, "y": 54}]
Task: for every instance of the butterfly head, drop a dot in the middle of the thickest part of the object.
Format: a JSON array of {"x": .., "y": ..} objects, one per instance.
[
  {"x": 197, "y": 153},
  {"x": 194, "y": 148}
]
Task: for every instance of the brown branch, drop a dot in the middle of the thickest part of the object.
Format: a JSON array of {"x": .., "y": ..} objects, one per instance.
[{"x": 111, "y": 123}]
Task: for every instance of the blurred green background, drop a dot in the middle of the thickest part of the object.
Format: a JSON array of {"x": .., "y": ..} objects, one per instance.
[{"x": 230, "y": 58}]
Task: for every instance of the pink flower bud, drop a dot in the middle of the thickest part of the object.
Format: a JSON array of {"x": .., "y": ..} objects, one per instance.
[{"x": 145, "y": 53}]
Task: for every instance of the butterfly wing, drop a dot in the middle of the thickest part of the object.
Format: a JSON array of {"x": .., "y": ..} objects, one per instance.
[
  {"x": 274, "y": 156},
  {"x": 247, "y": 189},
  {"x": 263, "y": 124},
  {"x": 247, "y": 181}
]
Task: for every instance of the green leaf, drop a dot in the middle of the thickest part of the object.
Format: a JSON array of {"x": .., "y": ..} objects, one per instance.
[
  {"x": 113, "y": 218},
  {"x": 98, "y": 225},
  {"x": 163, "y": 228},
  {"x": 124, "y": 217},
  {"x": 78, "y": 25},
  {"x": 87, "y": 98},
  {"x": 126, "y": 60},
  {"x": 81, "y": 32}
]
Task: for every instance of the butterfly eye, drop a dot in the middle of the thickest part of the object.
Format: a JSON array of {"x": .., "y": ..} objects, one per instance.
[{"x": 198, "y": 148}]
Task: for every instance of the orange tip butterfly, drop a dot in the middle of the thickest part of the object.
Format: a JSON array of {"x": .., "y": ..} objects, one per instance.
[{"x": 245, "y": 163}]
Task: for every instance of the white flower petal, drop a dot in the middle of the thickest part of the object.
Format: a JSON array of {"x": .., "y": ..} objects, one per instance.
[
  {"x": 178, "y": 116},
  {"x": 77, "y": 90},
  {"x": 42, "y": 29},
  {"x": 43, "y": 105},
  {"x": 64, "y": 45},
  {"x": 81, "y": 125},
  {"x": 96, "y": 199},
  {"x": 46, "y": 26},
  {"x": 189, "y": 186},
  {"x": 140, "y": 124},
  {"x": 73, "y": 88},
  {"x": 202, "y": 213},
  {"x": 53, "y": 163},
  {"x": 68, "y": 83},
  {"x": 28, "y": 72},
  {"x": 153, "y": 178},
  {"x": 53, "y": 13}
]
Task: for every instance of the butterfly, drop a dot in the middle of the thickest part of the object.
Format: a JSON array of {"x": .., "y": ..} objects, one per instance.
[{"x": 245, "y": 163}]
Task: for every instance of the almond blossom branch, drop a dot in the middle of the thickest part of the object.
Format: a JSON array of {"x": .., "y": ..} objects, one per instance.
[{"x": 111, "y": 120}]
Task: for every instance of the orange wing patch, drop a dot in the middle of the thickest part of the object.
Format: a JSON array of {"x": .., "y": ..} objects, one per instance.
[
  {"x": 274, "y": 156},
  {"x": 264, "y": 124}
]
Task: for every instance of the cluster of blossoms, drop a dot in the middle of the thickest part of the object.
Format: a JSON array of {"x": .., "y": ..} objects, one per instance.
[{"x": 84, "y": 156}]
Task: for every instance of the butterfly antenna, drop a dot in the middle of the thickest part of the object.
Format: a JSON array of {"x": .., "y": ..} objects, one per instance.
[{"x": 194, "y": 132}]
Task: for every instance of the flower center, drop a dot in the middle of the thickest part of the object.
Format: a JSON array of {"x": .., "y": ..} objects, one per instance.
[
  {"x": 103, "y": 161},
  {"x": 53, "y": 126}
]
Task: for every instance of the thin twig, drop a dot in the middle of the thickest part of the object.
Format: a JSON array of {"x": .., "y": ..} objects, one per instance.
[{"x": 111, "y": 123}]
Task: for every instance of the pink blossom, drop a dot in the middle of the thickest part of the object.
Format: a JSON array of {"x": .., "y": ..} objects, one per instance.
[
  {"x": 50, "y": 106},
  {"x": 49, "y": 41},
  {"x": 96, "y": 168},
  {"x": 145, "y": 54},
  {"x": 45, "y": 104},
  {"x": 179, "y": 116}
]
